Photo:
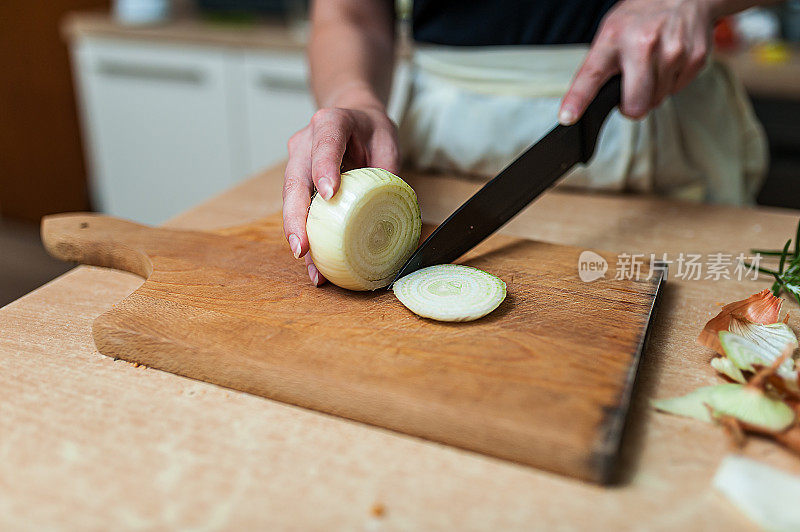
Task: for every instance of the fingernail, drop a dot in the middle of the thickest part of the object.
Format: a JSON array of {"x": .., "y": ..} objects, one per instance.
[
  {"x": 566, "y": 117},
  {"x": 325, "y": 189},
  {"x": 294, "y": 243},
  {"x": 313, "y": 274}
]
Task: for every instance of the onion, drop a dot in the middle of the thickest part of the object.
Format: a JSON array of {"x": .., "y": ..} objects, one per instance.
[
  {"x": 362, "y": 236},
  {"x": 725, "y": 366},
  {"x": 741, "y": 401},
  {"x": 768, "y": 496},
  {"x": 762, "y": 347},
  {"x": 450, "y": 292}
]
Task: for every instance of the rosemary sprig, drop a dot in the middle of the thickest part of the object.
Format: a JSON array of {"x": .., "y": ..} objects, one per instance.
[
  {"x": 783, "y": 256},
  {"x": 759, "y": 268},
  {"x": 797, "y": 241},
  {"x": 767, "y": 252},
  {"x": 787, "y": 276}
]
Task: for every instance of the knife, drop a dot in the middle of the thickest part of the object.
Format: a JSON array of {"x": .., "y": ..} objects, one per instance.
[{"x": 533, "y": 172}]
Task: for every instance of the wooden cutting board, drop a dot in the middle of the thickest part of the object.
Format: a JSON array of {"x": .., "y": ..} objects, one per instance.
[{"x": 544, "y": 380}]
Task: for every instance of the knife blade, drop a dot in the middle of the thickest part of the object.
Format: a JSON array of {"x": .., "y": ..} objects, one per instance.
[{"x": 533, "y": 172}]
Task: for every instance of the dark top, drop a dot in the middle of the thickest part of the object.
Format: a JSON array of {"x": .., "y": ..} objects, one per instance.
[{"x": 507, "y": 22}]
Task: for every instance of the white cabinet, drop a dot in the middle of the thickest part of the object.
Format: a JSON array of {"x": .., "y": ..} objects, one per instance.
[
  {"x": 161, "y": 134},
  {"x": 166, "y": 126},
  {"x": 277, "y": 103}
]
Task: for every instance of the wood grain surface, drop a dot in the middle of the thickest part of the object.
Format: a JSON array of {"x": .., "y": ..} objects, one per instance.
[
  {"x": 544, "y": 380},
  {"x": 92, "y": 443}
]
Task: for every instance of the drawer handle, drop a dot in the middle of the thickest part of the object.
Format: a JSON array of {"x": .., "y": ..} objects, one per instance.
[
  {"x": 150, "y": 72},
  {"x": 283, "y": 84}
]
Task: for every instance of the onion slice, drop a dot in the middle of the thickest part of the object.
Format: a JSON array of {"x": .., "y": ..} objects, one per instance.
[
  {"x": 450, "y": 292},
  {"x": 768, "y": 496},
  {"x": 362, "y": 236}
]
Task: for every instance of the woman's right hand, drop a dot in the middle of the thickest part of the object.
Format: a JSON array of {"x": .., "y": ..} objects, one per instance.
[{"x": 336, "y": 138}]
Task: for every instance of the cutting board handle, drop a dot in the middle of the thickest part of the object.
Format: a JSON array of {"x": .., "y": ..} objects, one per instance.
[{"x": 100, "y": 241}]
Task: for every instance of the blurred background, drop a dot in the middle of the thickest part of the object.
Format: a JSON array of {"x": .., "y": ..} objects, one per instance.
[{"x": 144, "y": 108}]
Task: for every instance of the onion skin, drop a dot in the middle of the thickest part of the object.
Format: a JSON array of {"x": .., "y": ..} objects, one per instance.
[
  {"x": 762, "y": 307},
  {"x": 362, "y": 236},
  {"x": 749, "y": 405}
]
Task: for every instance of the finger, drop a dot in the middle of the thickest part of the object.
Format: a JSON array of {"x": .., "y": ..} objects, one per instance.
[
  {"x": 297, "y": 189},
  {"x": 696, "y": 61},
  {"x": 638, "y": 86},
  {"x": 313, "y": 273},
  {"x": 670, "y": 61},
  {"x": 331, "y": 129},
  {"x": 383, "y": 150},
  {"x": 600, "y": 64},
  {"x": 665, "y": 78}
]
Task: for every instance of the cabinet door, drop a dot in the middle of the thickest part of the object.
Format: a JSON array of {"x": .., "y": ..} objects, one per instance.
[
  {"x": 158, "y": 122},
  {"x": 278, "y": 102}
]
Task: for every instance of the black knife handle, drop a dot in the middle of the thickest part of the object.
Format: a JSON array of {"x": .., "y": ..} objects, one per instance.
[{"x": 608, "y": 97}]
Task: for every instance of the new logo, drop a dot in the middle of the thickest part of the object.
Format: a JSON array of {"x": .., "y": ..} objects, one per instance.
[{"x": 591, "y": 266}]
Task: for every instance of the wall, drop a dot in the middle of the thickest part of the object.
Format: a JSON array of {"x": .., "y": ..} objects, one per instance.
[{"x": 41, "y": 160}]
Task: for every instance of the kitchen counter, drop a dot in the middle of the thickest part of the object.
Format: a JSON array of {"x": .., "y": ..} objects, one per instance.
[
  {"x": 88, "y": 442},
  {"x": 268, "y": 33},
  {"x": 766, "y": 80}
]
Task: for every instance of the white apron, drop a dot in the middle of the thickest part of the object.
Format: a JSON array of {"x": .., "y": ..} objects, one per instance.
[{"x": 473, "y": 111}]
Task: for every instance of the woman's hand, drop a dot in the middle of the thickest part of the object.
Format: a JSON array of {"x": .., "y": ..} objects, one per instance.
[
  {"x": 351, "y": 55},
  {"x": 337, "y": 137},
  {"x": 659, "y": 46}
]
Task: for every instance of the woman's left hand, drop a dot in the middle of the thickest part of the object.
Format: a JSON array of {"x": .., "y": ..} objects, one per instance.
[{"x": 658, "y": 46}]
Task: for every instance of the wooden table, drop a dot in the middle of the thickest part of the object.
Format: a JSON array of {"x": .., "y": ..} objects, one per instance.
[{"x": 90, "y": 443}]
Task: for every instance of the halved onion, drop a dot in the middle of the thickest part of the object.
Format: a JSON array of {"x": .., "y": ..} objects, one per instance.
[
  {"x": 450, "y": 292},
  {"x": 362, "y": 236}
]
